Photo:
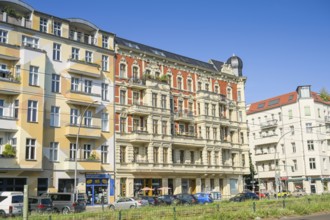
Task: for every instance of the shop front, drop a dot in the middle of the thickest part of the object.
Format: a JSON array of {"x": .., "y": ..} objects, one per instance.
[
  {"x": 98, "y": 186},
  {"x": 148, "y": 187}
]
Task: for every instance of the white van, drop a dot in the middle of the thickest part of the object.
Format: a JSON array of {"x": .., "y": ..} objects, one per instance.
[{"x": 11, "y": 203}]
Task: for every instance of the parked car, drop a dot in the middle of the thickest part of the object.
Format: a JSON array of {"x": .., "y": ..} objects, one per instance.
[
  {"x": 241, "y": 197},
  {"x": 153, "y": 200},
  {"x": 11, "y": 203},
  {"x": 127, "y": 203},
  {"x": 261, "y": 195},
  {"x": 66, "y": 202},
  {"x": 167, "y": 199},
  {"x": 184, "y": 199},
  {"x": 216, "y": 196},
  {"x": 203, "y": 198},
  {"x": 40, "y": 204},
  {"x": 298, "y": 193},
  {"x": 284, "y": 193}
]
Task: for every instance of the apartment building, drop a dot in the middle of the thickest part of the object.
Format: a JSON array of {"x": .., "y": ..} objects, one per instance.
[
  {"x": 56, "y": 103},
  {"x": 179, "y": 122},
  {"x": 289, "y": 138}
]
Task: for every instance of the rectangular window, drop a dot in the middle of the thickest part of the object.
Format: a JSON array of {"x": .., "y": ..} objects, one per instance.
[
  {"x": 209, "y": 162},
  {"x": 165, "y": 155},
  {"x": 75, "y": 53},
  {"x": 105, "y": 121},
  {"x": 30, "y": 149},
  {"x": 155, "y": 126},
  {"x": 216, "y": 157},
  {"x": 307, "y": 110},
  {"x": 206, "y": 86},
  {"x": 56, "y": 83},
  {"x": 216, "y": 89},
  {"x": 213, "y": 110},
  {"x": 239, "y": 96},
  {"x": 3, "y": 36},
  {"x": 290, "y": 114},
  {"x": 310, "y": 145},
  {"x": 309, "y": 128},
  {"x": 136, "y": 123},
  {"x": 295, "y": 166},
  {"x": 136, "y": 98},
  {"x": 180, "y": 106},
  {"x": 34, "y": 76},
  {"x": 74, "y": 84},
  {"x": 87, "y": 151},
  {"x": 181, "y": 156},
  {"x": 122, "y": 125},
  {"x": 74, "y": 114},
  {"x": 154, "y": 100},
  {"x": 294, "y": 149},
  {"x": 88, "y": 56},
  {"x": 13, "y": 144},
  {"x": 105, "y": 91},
  {"x": 312, "y": 164},
  {"x": 88, "y": 119},
  {"x": 179, "y": 83},
  {"x": 207, "y": 132},
  {"x": 32, "y": 111},
  {"x": 105, "y": 61},
  {"x": 156, "y": 149},
  {"x": 57, "y": 28},
  {"x": 53, "y": 151},
  {"x": 214, "y": 133},
  {"x": 55, "y": 116},
  {"x": 43, "y": 25},
  {"x": 163, "y": 102},
  {"x": 122, "y": 97},
  {"x": 199, "y": 86},
  {"x": 164, "y": 127},
  {"x": 30, "y": 42},
  {"x": 104, "y": 153},
  {"x": 206, "y": 109},
  {"x": 16, "y": 108},
  {"x": 122, "y": 73},
  {"x": 105, "y": 41},
  {"x": 1, "y": 107},
  {"x": 56, "y": 52},
  {"x": 292, "y": 130},
  {"x": 189, "y": 85},
  {"x": 88, "y": 86},
  {"x": 122, "y": 154},
  {"x": 72, "y": 151}
]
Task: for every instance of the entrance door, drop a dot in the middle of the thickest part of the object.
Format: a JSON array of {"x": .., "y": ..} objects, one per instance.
[
  {"x": 313, "y": 188},
  {"x": 192, "y": 185}
]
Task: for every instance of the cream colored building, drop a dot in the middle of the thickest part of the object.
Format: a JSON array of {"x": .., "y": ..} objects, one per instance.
[
  {"x": 55, "y": 74},
  {"x": 289, "y": 137}
]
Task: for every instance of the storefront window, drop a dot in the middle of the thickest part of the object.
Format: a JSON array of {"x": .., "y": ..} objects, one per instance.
[{"x": 97, "y": 187}]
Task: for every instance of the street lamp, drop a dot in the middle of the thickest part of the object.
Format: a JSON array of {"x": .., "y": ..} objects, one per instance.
[{"x": 76, "y": 151}]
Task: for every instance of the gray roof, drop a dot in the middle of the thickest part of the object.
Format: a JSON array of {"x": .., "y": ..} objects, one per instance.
[
  {"x": 218, "y": 64},
  {"x": 165, "y": 54}
]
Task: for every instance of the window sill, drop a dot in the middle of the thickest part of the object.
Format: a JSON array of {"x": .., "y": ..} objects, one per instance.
[
  {"x": 33, "y": 122},
  {"x": 34, "y": 85},
  {"x": 59, "y": 61},
  {"x": 53, "y": 126},
  {"x": 32, "y": 160}
]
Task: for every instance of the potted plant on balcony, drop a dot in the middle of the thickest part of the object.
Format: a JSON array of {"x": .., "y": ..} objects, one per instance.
[
  {"x": 92, "y": 156},
  {"x": 9, "y": 151},
  {"x": 164, "y": 78}
]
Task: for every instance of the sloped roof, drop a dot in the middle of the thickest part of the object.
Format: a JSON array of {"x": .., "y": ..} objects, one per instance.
[
  {"x": 317, "y": 98},
  {"x": 217, "y": 64}
]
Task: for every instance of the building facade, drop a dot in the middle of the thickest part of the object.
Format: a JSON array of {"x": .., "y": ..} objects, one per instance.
[
  {"x": 180, "y": 123},
  {"x": 289, "y": 138},
  {"x": 56, "y": 103}
]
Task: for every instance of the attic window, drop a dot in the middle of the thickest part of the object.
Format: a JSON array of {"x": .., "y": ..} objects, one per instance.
[
  {"x": 132, "y": 45},
  {"x": 261, "y": 105},
  {"x": 158, "y": 53},
  {"x": 290, "y": 97},
  {"x": 273, "y": 102}
]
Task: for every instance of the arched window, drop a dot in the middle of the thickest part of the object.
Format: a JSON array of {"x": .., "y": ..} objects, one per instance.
[
  {"x": 135, "y": 72},
  {"x": 229, "y": 93},
  {"x": 122, "y": 73}
]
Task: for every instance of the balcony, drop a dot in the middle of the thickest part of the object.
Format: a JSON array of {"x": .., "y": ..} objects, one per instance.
[
  {"x": 19, "y": 21},
  {"x": 88, "y": 132},
  {"x": 8, "y": 163},
  {"x": 8, "y": 124},
  {"x": 185, "y": 116},
  {"x": 208, "y": 95},
  {"x": 142, "y": 110},
  {"x": 82, "y": 165},
  {"x": 137, "y": 83},
  {"x": 84, "y": 68},
  {"x": 269, "y": 124},
  {"x": 266, "y": 139},
  {"x": 265, "y": 157}
]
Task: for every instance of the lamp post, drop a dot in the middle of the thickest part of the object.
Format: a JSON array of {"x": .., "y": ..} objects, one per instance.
[{"x": 76, "y": 151}]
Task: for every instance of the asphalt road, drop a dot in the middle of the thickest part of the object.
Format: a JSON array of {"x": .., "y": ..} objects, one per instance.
[{"x": 309, "y": 217}]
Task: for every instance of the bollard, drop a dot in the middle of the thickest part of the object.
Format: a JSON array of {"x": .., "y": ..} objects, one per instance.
[
  {"x": 283, "y": 203},
  {"x": 174, "y": 213},
  {"x": 254, "y": 207},
  {"x": 218, "y": 207},
  {"x": 119, "y": 215}
]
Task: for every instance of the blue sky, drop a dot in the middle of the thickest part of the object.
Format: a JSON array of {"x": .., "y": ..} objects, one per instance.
[{"x": 283, "y": 43}]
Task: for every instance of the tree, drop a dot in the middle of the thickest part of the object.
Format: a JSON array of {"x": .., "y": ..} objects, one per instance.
[
  {"x": 325, "y": 96},
  {"x": 250, "y": 177}
]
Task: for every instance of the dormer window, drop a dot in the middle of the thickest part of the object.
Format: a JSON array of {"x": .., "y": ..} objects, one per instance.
[
  {"x": 57, "y": 28},
  {"x": 105, "y": 41},
  {"x": 43, "y": 25}
]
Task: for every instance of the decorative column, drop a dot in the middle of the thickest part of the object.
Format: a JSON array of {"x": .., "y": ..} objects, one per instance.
[
  {"x": 177, "y": 186},
  {"x": 198, "y": 185}
]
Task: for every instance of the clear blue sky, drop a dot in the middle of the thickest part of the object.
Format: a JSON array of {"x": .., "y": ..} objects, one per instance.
[{"x": 283, "y": 43}]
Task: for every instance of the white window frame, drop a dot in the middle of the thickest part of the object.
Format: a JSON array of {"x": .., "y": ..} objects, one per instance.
[
  {"x": 2, "y": 103},
  {"x": 105, "y": 91},
  {"x": 34, "y": 76},
  {"x": 105, "y": 121},
  {"x": 56, "y": 83},
  {"x": 57, "y": 51},
  {"x": 88, "y": 116},
  {"x": 74, "y": 116},
  {"x": 53, "y": 151},
  {"x": 43, "y": 25},
  {"x": 87, "y": 151},
  {"x": 30, "y": 149},
  {"x": 88, "y": 84},
  {"x": 55, "y": 116},
  {"x": 30, "y": 42},
  {"x": 105, "y": 63},
  {"x": 104, "y": 153},
  {"x": 32, "y": 111},
  {"x": 105, "y": 41},
  {"x": 73, "y": 151},
  {"x": 57, "y": 28},
  {"x": 3, "y": 36},
  {"x": 75, "y": 53},
  {"x": 312, "y": 163},
  {"x": 88, "y": 56},
  {"x": 74, "y": 84}
]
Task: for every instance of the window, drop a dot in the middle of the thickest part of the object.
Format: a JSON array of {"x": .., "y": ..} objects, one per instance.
[
  {"x": 206, "y": 86},
  {"x": 34, "y": 76},
  {"x": 307, "y": 110},
  {"x": 214, "y": 133},
  {"x": 213, "y": 110},
  {"x": 88, "y": 56},
  {"x": 179, "y": 85},
  {"x": 32, "y": 111},
  {"x": 136, "y": 123},
  {"x": 164, "y": 127},
  {"x": 53, "y": 151},
  {"x": 56, "y": 51},
  {"x": 207, "y": 132},
  {"x": 122, "y": 125},
  {"x": 206, "y": 109},
  {"x": 55, "y": 116},
  {"x": 105, "y": 121},
  {"x": 294, "y": 149},
  {"x": 3, "y": 36},
  {"x": 56, "y": 83},
  {"x": 216, "y": 157},
  {"x": 216, "y": 89},
  {"x": 292, "y": 130},
  {"x": 189, "y": 84},
  {"x": 30, "y": 149},
  {"x": 72, "y": 151},
  {"x": 156, "y": 149},
  {"x": 30, "y": 42},
  {"x": 43, "y": 25},
  {"x": 154, "y": 100},
  {"x": 75, "y": 53},
  {"x": 295, "y": 166},
  {"x": 180, "y": 106},
  {"x": 199, "y": 86},
  {"x": 122, "y": 154},
  {"x": 104, "y": 153},
  {"x": 87, "y": 151},
  {"x": 135, "y": 73},
  {"x": 209, "y": 162},
  {"x": 105, "y": 41},
  {"x": 74, "y": 84},
  {"x": 163, "y": 102},
  {"x": 181, "y": 156},
  {"x": 74, "y": 114},
  {"x": 155, "y": 126},
  {"x": 290, "y": 114},
  {"x": 325, "y": 164},
  {"x": 312, "y": 164},
  {"x": 18, "y": 71},
  {"x": 165, "y": 155},
  {"x": 122, "y": 97},
  {"x": 16, "y": 108},
  {"x": 309, "y": 128},
  {"x": 136, "y": 98},
  {"x": 57, "y": 28},
  {"x": 1, "y": 107},
  {"x": 240, "y": 116},
  {"x": 310, "y": 145},
  {"x": 122, "y": 73},
  {"x": 88, "y": 86},
  {"x": 190, "y": 108},
  {"x": 239, "y": 96},
  {"x": 88, "y": 118},
  {"x": 105, "y": 91},
  {"x": 229, "y": 95},
  {"x": 105, "y": 63}
]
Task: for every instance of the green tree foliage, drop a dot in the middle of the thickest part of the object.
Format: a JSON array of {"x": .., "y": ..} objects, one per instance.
[
  {"x": 325, "y": 96},
  {"x": 9, "y": 151}
]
